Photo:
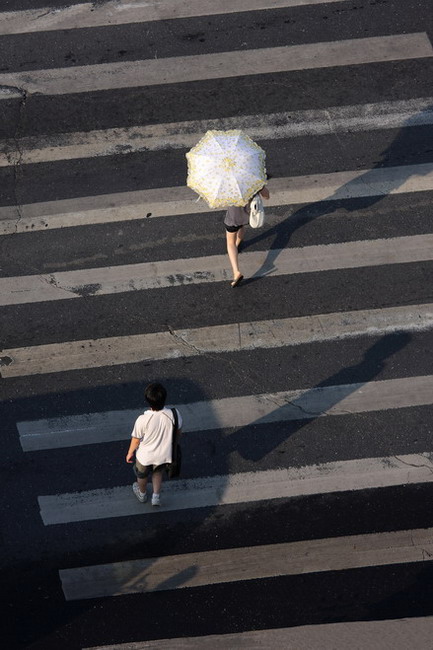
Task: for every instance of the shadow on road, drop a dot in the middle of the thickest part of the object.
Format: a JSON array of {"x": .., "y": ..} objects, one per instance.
[
  {"x": 43, "y": 618},
  {"x": 311, "y": 404},
  {"x": 360, "y": 193},
  {"x": 317, "y": 401}
]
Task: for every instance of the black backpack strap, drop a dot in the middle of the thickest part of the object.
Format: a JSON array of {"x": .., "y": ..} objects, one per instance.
[
  {"x": 176, "y": 421},
  {"x": 174, "y": 436}
]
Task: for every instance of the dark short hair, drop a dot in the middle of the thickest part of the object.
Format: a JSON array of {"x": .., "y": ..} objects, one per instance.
[{"x": 155, "y": 395}]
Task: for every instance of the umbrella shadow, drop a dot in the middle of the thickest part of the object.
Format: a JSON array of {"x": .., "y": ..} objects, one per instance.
[{"x": 360, "y": 193}]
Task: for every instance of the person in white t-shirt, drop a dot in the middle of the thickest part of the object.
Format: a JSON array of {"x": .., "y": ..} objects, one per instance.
[{"x": 151, "y": 442}]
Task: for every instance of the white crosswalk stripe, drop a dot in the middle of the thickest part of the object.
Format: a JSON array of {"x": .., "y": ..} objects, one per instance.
[
  {"x": 171, "y": 273},
  {"x": 171, "y": 201},
  {"x": 238, "y": 337},
  {"x": 121, "y": 12},
  {"x": 250, "y": 563},
  {"x": 178, "y": 135},
  {"x": 242, "y": 411},
  {"x": 48, "y": 441},
  {"x": 246, "y": 487},
  {"x": 155, "y": 72},
  {"x": 398, "y": 634}
]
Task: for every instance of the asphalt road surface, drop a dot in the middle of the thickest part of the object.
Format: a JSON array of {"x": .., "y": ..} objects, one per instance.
[{"x": 303, "y": 515}]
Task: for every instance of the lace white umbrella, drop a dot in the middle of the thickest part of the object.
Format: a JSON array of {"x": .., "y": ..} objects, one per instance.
[{"x": 226, "y": 168}]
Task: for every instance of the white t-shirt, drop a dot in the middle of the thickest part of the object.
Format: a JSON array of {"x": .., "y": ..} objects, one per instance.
[{"x": 155, "y": 429}]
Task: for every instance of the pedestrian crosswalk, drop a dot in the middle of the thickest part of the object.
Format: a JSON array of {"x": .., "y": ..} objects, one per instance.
[
  {"x": 258, "y": 372},
  {"x": 246, "y": 410},
  {"x": 171, "y": 273},
  {"x": 172, "y": 201},
  {"x": 251, "y": 563},
  {"x": 238, "y": 337},
  {"x": 244, "y": 488},
  {"x": 180, "y": 135},
  {"x": 155, "y": 72},
  {"x": 397, "y": 633},
  {"x": 115, "y": 12}
]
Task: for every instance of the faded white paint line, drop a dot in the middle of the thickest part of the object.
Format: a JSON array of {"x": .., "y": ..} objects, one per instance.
[
  {"x": 248, "y": 563},
  {"x": 153, "y": 72},
  {"x": 172, "y": 201},
  {"x": 247, "y": 487},
  {"x": 234, "y": 412},
  {"x": 392, "y": 634},
  {"x": 102, "y": 281},
  {"x": 90, "y": 144},
  {"x": 232, "y": 337},
  {"x": 121, "y": 12}
]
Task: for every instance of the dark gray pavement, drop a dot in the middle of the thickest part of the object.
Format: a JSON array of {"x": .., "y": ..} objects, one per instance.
[{"x": 35, "y": 609}]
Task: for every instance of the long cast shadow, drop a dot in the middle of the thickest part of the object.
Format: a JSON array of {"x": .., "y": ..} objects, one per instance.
[
  {"x": 311, "y": 404},
  {"x": 358, "y": 194},
  {"x": 317, "y": 401}
]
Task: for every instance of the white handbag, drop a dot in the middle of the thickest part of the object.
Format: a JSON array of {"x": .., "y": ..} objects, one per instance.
[{"x": 257, "y": 212}]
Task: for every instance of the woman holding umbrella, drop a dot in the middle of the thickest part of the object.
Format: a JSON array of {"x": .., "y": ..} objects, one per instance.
[
  {"x": 235, "y": 221},
  {"x": 227, "y": 169}
]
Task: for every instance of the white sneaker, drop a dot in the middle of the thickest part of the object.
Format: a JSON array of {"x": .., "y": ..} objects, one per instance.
[
  {"x": 156, "y": 500},
  {"x": 140, "y": 496}
]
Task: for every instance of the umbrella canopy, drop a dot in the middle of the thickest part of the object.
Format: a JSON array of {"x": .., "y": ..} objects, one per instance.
[{"x": 226, "y": 168}]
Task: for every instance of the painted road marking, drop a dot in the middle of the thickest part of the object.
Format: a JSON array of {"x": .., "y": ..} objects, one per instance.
[
  {"x": 152, "y": 72},
  {"x": 235, "y": 412},
  {"x": 212, "y": 340},
  {"x": 121, "y": 12},
  {"x": 398, "y": 634},
  {"x": 65, "y": 285},
  {"x": 178, "y": 135},
  {"x": 247, "y": 487},
  {"x": 172, "y": 201},
  {"x": 249, "y": 563}
]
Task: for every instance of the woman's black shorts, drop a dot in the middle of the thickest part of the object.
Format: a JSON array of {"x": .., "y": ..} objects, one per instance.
[{"x": 233, "y": 228}]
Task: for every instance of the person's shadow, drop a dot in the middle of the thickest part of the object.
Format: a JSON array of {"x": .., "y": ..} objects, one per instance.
[
  {"x": 294, "y": 415},
  {"x": 311, "y": 404},
  {"x": 360, "y": 193},
  {"x": 114, "y": 534},
  {"x": 315, "y": 402}
]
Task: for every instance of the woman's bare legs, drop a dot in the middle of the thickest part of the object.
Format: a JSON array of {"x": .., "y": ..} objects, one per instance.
[
  {"x": 232, "y": 250},
  {"x": 240, "y": 236}
]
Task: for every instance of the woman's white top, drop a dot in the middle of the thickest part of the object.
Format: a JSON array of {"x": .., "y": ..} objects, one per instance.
[{"x": 154, "y": 429}]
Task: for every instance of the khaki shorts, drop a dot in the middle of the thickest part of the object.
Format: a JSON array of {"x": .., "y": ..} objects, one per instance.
[{"x": 142, "y": 471}]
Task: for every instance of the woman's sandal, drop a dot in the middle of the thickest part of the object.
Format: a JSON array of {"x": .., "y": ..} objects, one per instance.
[{"x": 236, "y": 282}]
